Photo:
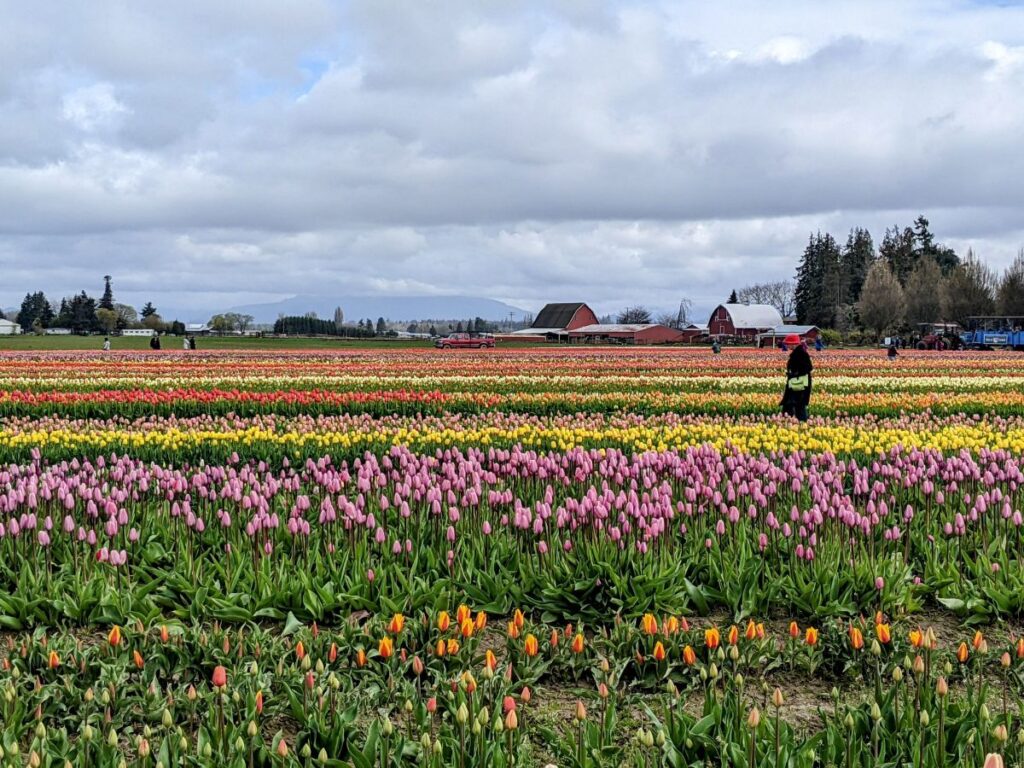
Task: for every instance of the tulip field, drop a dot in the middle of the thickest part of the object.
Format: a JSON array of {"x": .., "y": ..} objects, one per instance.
[{"x": 524, "y": 557}]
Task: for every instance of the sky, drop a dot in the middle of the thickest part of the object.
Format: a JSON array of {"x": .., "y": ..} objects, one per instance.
[{"x": 214, "y": 154}]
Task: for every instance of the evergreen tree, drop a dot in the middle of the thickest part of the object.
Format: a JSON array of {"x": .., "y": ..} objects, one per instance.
[
  {"x": 35, "y": 311},
  {"x": 107, "y": 302},
  {"x": 382, "y": 327},
  {"x": 458, "y": 328},
  {"x": 64, "y": 315},
  {"x": 819, "y": 282},
  {"x": 733, "y": 299},
  {"x": 924, "y": 292},
  {"x": 926, "y": 246},
  {"x": 1010, "y": 299},
  {"x": 82, "y": 314},
  {"x": 856, "y": 260},
  {"x": 899, "y": 249},
  {"x": 148, "y": 311}
]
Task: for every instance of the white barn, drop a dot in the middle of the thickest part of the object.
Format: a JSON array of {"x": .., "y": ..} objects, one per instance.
[{"x": 9, "y": 328}]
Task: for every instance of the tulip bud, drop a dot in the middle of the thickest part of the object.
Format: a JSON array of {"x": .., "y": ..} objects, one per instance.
[
  {"x": 306, "y": 752},
  {"x": 897, "y": 675},
  {"x": 777, "y": 699},
  {"x": 738, "y": 680},
  {"x": 407, "y": 706},
  {"x": 754, "y": 719},
  {"x": 734, "y": 653},
  {"x": 87, "y": 733},
  {"x": 849, "y": 722},
  {"x": 282, "y": 749},
  {"x": 40, "y": 730},
  {"x": 983, "y": 713},
  {"x": 252, "y": 730},
  {"x": 112, "y": 738},
  {"x": 33, "y": 760},
  {"x": 924, "y": 718},
  {"x": 660, "y": 739},
  {"x": 322, "y": 757},
  {"x": 144, "y": 748},
  {"x": 941, "y": 687},
  {"x": 207, "y": 750},
  {"x": 876, "y": 648},
  {"x": 437, "y": 746},
  {"x": 581, "y": 711},
  {"x": 876, "y": 711},
  {"x": 713, "y": 671},
  {"x": 462, "y": 715},
  {"x": 1004, "y": 660},
  {"x": 1000, "y": 733},
  {"x": 183, "y": 744}
]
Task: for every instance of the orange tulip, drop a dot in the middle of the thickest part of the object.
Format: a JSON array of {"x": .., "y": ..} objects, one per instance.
[
  {"x": 490, "y": 661},
  {"x": 417, "y": 666},
  {"x": 440, "y": 648},
  {"x": 396, "y": 624},
  {"x": 332, "y": 653},
  {"x": 879, "y": 618},
  {"x": 577, "y": 644},
  {"x": 300, "y": 651},
  {"x": 978, "y": 640},
  {"x": 220, "y": 677},
  {"x": 259, "y": 702},
  {"x": 518, "y": 618},
  {"x": 453, "y": 647},
  {"x": 165, "y": 635},
  {"x": 712, "y": 638},
  {"x": 137, "y": 659},
  {"x": 883, "y": 633},
  {"x": 443, "y": 621},
  {"x": 53, "y": 661},
  {"x": 671, "y": 625},
  {"x": 386, "y": 648},
  {"x": 513, "y": 630},
  {"x": 282, "y": 749},
  {"x": 360, "y": 658},
  {"x": 916, "y": 638},
  {"x": 1020, "y": 648},
  {"x": 751, "y": 632},
  {"x": 689, "y": 656},
  {"x": 811, "y": 637},
  {"x": 734, "y": 635},
  {"x": 794, "y": 630},
  {"x": 962, "y": 653},
  {"x": 684, "y": 624},
  {"x": 467, "y": 628},
  {"x": 530, "y": 646},
  {"x": 760, "y": 631},
  {"x": 856, "y": 638},
  {"x": 469, "y": 681},
  {"x": 659, "y": 651},
  {"x": 462, "y": 613},
  {"x": 481, "y": 621},
  {"x": 555, "y": 636},
  {"x": 650, "y": 624},
  {"x": 114, "y": 638}
]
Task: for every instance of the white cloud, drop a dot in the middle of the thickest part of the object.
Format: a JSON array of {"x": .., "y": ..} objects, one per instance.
[{"x": 94, "y": 107}]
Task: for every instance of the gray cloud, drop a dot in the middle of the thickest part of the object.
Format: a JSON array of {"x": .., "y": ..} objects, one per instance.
[{"x": 525, "y": 151}]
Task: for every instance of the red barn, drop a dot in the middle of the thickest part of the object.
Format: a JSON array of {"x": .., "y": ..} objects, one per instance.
[
  {"x": 555, "y": 321},
  {"x": 743, "y": 320}
]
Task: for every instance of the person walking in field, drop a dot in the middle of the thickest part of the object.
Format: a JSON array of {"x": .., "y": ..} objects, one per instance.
[
  {"x": 819, "y": 345},
  {"x": 106, "y": 343},
  {"x": 716, "y": 348},
  {"x": 797, "y": 394},
  {"x": 893, "y": 354},
  {"x": 187, "y": 345}
]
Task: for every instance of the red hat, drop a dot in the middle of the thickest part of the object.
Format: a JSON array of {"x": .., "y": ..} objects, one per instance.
[{"x": 792, "y": 339}]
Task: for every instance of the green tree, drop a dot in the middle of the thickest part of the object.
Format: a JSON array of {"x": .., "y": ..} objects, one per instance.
[
  {"x": 733, "y": 298},
  {"x": 1010, "y": 298},
  {"x": 881, "y": 302},
  {"x": 148, "y": 311},
  {"x": 35, "y": 311},
  {"x": 107, "y": 319},
  {"x": 126, "y": 316},
  {"x": 924, "y": 292},
  {"x": 857, "y": 257},
  {"x": 926, "y": 246},
  {"x": 382, "y": 327},
  {"x": 107, "y": 301},
  {"x": 818, "y": 282},
  {"x": 970, "y": 290},
  {"x": 899, "y": 250}
]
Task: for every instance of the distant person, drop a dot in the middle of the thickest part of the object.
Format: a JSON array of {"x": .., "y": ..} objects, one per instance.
[
  {"x": 154, "y": 342},
  {"x": 819, "y": 345},
  {"x": 893, "y": 354},
  {"x": 716, "y": 348},
  {"x": 783, "y": 347},
  {"x": 106, "y": 343},
  {"x": 187, "y": 343},
  {"x": 797, "y": 394},
  {"x": 192, "y": 342}
]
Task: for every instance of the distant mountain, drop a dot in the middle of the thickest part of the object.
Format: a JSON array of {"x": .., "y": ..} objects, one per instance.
[{"x": 393, "y": 308}]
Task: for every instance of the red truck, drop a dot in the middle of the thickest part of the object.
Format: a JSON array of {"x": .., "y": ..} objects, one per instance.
[{"x": 464, "y": 341}]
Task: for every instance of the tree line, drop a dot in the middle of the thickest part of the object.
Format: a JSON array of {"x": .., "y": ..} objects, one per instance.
[{"x": 912, "y": 279}]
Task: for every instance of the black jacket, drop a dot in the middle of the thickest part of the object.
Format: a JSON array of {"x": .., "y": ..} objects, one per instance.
[{"x": 799, "y": 364}]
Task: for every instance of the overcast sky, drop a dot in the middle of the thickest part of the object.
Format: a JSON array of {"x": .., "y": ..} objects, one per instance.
[{"x": 217, "y": 153}]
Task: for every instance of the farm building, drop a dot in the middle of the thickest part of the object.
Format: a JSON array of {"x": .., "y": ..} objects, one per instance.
[
  {"x": 626, "y": 333},
  {"x": 774, "y": 337},
  {"x": 57, "y": 332},
  {"x": 138, "y": 332},
  {"x": 694, "y": 332},
  {"x": 743, "y": 320},
  {"x": 9, "y": 328},
  {"x": 555, "y": 321}
]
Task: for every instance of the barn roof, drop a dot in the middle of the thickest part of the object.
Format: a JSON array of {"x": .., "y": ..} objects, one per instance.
[
  {"x": 557, "y": 315},
  {"x": 6, "y": 322},
  {"x": 785, "y": 330},
  {"x": 753, "y": 315}
]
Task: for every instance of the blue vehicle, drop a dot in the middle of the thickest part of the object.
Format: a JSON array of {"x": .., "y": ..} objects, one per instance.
[{"x": 995, "y": 332}]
